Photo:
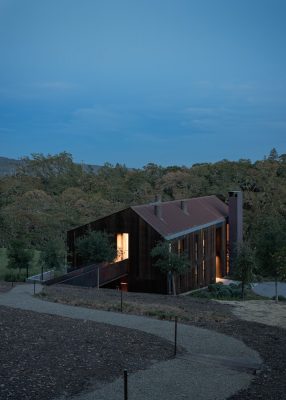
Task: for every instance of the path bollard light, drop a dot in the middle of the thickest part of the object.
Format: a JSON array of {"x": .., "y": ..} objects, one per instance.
[
  {"x": 34, "y": 286},
  {"x": 175, "y": 344},
  {"x": 125, "y": 385}
]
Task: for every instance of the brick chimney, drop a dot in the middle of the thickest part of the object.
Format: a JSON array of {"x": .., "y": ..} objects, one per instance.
[{"x": 235, "y": 220}]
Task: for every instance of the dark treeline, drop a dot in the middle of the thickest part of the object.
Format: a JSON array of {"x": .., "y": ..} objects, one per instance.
[{"x": 48, "y": 195}]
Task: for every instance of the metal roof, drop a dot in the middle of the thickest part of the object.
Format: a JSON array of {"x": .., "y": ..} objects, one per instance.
[{"x": 180, "y": 217}]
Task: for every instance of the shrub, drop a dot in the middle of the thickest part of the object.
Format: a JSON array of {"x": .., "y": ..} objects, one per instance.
[
  {"x": 233, "y": 285},
  {"x": 236, "y": 293},
  {"x": 223, "y": 292},
  {"x": 214, "y": 287},
  {"x": 14, "y": 277}
]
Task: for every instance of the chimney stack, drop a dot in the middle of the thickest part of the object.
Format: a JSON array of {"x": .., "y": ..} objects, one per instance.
[
  {"x": 157, "y": 206},
  {"x": 235, "y": 221},
  {"x": 158, "y": 210},
  {"x": 184, "y": 206}
]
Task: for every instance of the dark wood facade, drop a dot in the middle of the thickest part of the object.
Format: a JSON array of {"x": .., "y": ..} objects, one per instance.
[{"x": 206, "y": 249}]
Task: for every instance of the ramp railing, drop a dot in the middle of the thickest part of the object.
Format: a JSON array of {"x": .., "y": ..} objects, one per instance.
[{"x": 94, "y": 275}]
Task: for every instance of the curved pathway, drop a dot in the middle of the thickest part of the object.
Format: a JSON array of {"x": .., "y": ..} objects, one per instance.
[{"x": 214, "y": 367}]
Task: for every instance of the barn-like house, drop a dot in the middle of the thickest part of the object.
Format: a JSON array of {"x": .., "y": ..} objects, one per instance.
[{"x": 205, "y": 228}]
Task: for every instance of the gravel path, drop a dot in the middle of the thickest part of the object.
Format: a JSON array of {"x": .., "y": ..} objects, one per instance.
[
  {"x": 44, "y": 355},
  {"x": 214, "y": 366}
]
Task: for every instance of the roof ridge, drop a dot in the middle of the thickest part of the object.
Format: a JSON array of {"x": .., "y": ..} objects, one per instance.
[{"x": 174, "y": 201}]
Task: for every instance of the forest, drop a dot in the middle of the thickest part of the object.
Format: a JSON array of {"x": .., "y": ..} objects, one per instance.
[{"x": 48, "y": 195}]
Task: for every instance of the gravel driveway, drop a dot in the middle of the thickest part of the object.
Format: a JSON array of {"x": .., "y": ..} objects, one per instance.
[{"x": 214, "y": 366}]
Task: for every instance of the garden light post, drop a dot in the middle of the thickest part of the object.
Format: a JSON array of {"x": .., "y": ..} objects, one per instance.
[
  {"x": 175, "y": 343},
  {"x": 125, "y": 385}
]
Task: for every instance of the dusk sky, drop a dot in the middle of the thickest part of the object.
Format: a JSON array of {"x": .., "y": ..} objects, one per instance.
[{"x": 139, "y": 81}]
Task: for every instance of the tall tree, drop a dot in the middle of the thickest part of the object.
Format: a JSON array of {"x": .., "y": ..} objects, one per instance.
[
  {"x": 269, "y": 238},
  {"x": 169, "y": 261},
  {"x": 273, "y": 155},
  {"x": 18, "y": 256},
  {"x": 244, "y": 265},
  {"x": 96, "y": 247},
  {"x": 54, "y": 171},
  {"x": 53, "y": 255}
]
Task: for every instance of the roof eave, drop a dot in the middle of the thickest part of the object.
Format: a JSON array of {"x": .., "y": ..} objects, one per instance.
[{"x": 193, "y": 229}]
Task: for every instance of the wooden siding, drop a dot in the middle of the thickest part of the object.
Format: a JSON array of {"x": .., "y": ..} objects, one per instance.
[
  {"x": 202, "y": 250},
  {"x": 142, "y": 275}
]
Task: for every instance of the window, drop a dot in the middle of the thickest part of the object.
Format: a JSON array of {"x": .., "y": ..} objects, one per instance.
[
  {"x": 196, "y": 247},
  {"x": 122, "y": 242},
  {"x": 180, "y": 247}
]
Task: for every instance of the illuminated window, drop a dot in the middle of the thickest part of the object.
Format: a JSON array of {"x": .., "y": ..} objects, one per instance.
[
  {"x": 227, "y": 249},
  {"x": 122, "y": 240},
  {"x": 179, "y": 246}
]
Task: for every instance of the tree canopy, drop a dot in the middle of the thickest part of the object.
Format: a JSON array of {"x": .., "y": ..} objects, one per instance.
[
  {"x": 49, "y": 195},
  {"x": 96, "y": 247}
]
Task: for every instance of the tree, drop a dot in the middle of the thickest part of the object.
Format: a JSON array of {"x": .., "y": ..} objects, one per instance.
[
  {"x": 55, "y": 172},
  {"x": 169, "y": 261},
  {"x": 96, "y": 247},
  {"x": 244, "y": 265},
  {"x": 279, "y": 264},
  {"x": 273, "y": 155},
  {"x": 18, "y": 256},
  {"x": 269, "y": 238},
  {"x": 53, "y": 255}
]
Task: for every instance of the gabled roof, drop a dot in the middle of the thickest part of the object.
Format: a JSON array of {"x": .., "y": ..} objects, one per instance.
[{"x": 173, "y": 221}]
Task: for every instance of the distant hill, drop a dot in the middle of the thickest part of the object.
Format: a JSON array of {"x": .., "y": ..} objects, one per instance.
[
  {"x": 8, "y": 166},
  {"x": 93, "y": 167}
]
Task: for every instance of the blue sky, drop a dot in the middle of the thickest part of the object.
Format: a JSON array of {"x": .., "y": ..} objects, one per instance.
[{"x": 139, "y": 81}]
